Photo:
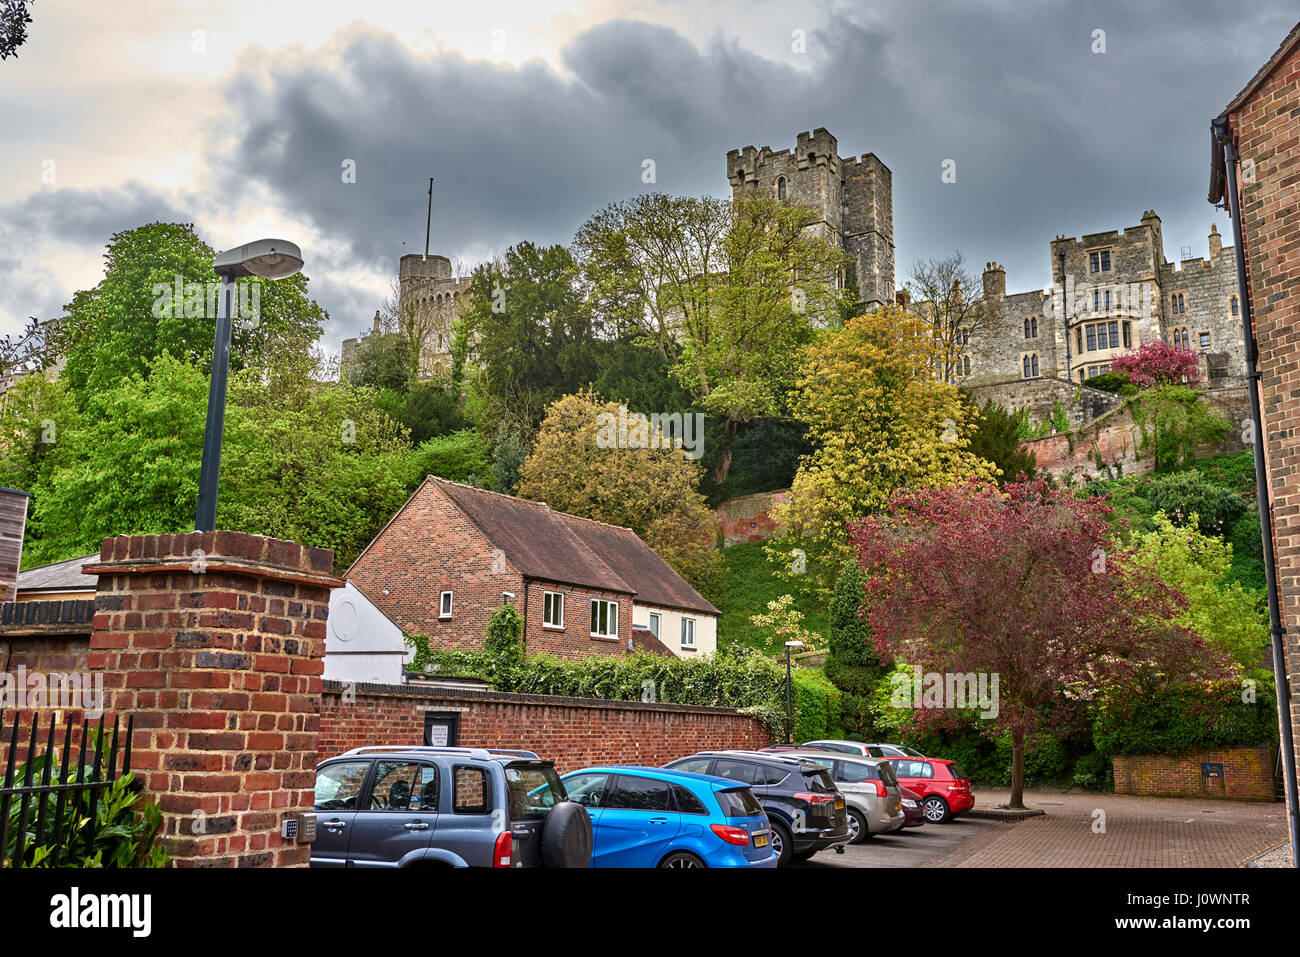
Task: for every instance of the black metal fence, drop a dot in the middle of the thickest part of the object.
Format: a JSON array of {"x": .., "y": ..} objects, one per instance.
[{"x": 72, "y": 796}]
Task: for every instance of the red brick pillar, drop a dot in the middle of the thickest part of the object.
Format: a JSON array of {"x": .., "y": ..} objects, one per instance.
[{"x": 215, "y": 642}]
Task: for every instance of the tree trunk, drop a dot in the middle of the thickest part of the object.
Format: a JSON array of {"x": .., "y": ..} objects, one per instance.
[
  {"x": 1017, "y": 769},
  {"x": 723, "y": 465}
]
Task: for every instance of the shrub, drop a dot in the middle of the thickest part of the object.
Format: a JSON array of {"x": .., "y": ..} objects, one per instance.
[
  {"x": 1109, "y": 381},
  {"x": 1180, "y": 494},
  {"x": 504, "y": 635},
  {"x": 1158, "y": 363},
  {"x": 1186, "y": 718}
]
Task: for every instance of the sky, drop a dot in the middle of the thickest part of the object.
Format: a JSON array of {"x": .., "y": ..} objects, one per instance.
[{"x": 244, "y": 117}]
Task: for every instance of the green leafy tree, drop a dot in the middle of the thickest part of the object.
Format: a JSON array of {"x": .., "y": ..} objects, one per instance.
[
  {"x": 996, "y": 439},
  {"x": 114, "y": 331},
  {"x": 34, "y": 414},
  {"x": 1225, "y": 614}
]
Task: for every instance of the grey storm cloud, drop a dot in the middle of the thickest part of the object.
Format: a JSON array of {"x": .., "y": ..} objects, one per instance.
[
  {"x": 75, "y": 214},
  {"x": 1047, "y": 136}
]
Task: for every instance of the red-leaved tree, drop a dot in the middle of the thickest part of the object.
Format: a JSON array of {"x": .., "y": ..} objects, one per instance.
[
  {"x": 1159, "y": 363},
  {"x": 1026, "y": 584}
]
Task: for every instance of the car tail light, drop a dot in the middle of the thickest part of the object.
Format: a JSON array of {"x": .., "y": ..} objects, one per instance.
[
  {"x": 731, "y": 834},
  {"x": 502, "y": 849},
  {"x": 815, "y": 798},
  {"x": 880, "y": 788}
]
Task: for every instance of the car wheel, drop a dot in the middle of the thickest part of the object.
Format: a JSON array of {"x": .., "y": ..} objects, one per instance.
[
  {"x": 858, "y": 829},
  {"x": 782, "y": 844},
  {"x": 936, "y": 810},
  {"x": 681, "y": 859}
]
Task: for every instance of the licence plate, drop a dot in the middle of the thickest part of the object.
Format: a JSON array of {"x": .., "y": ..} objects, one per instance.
[{"x": 760, "y": 840}]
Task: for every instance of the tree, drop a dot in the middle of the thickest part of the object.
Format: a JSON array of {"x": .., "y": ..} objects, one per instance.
[
  {"x": 853, "y": 664},
  {"x": 460, "y": 457},
  {"x": 1175, "y": 423},
  {"x": 114, "y": 331},
  {"x": 1222, "y": 612},
  {"x": 381, "y": 360},
  {"x": 14, "y": 18},
  {"x": 34, "y": 415},
  {"x": 531, "y": 330},
  {"x": 879, "y": 421},
  {"x": 950, "y": 298},
  {"x": 997, "y": 439},
  {"x": 1026, "y": 586},
  {"x": 727, "y": 291},
  {"x": 1158, "y": 363},
  {"x": 653, "y": 490}
]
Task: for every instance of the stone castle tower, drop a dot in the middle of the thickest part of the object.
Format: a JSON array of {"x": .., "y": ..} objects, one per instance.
[{"x": 853, "y": 195}]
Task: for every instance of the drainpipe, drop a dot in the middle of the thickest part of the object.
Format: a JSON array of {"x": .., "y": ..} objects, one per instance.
[{"x": 1223, "y": 135}]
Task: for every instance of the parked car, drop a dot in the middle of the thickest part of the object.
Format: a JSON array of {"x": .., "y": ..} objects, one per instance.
[
  {"x": 913, "y": 816},
  {"x": 866, "y": 750},
  {"x": 875, "y": 804},
  {"x": 647, "y": 817},
  {"x": 405, "y": 806},
  {"x": 804, "y": 808},
  {"x": 944, "y": 788}
]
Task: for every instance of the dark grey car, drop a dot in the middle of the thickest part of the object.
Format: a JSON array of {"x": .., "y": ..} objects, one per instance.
[{"x": 452, "y": 807}]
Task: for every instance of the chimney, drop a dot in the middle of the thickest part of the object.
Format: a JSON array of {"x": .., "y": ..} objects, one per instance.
[
  {"x": 1216, "y": 243},
  {"x": 995, "y": 281},
  {"x": 13, "y": 524}
]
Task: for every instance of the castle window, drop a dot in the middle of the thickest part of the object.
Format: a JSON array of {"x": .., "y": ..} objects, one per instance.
[
  {"x": 965, "y": 365},
  {"x": 1096, "y": 300},
  {"x": 1128, "y": 337},
  {"x": 1078, "y": 339},
  {"x": 780, "y": 188},
  {"x": 1107, "y": 299},
  {"x": 1113, "y": 329},
  {"x": 1205, "y": 340},
  {"x": 1027, "y": 335},
  {"x": 1099, "y": 261},
  {"x": 1234, "y": 305},
  {"x": 1092, "y": 338},
  {"x": 1031, "y": 365}
]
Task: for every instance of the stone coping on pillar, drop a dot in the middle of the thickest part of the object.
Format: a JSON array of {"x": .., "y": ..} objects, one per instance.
[{"x": 220, "y": 552}]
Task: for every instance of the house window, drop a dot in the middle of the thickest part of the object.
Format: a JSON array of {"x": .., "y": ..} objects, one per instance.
[
  {"x": 444, "y": 610},
  {"x": 604, "y": 618},
  {"x": 654, "y": 624},
  {"x": 688, "y": 632},
  {"x": 780, "y": 188},
  {"x": 553, "y": 609},
  {"x": 1234, "y": 305},
  {"x": 1205, "y": 340}
]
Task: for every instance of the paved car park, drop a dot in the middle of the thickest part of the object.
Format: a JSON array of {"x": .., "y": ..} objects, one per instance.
[{"x": 1138, "y": 832}]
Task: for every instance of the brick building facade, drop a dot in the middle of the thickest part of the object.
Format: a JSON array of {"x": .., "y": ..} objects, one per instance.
[{"x": 1263, "y": 121}]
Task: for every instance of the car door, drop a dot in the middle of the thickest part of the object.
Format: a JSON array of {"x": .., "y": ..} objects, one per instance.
[
  {"x": 908, "y": 773},
  {"x": 338, "y": 786},
  {"x": 637, "y": 822},
  {"x": 399, "y": 817}
]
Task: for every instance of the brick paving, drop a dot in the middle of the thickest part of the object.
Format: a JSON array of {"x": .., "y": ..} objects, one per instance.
[{"x": 1139, "y": 832}]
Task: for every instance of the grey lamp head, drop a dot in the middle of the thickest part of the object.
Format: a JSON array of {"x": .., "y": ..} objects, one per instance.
[{"x": 268, "y": 258}]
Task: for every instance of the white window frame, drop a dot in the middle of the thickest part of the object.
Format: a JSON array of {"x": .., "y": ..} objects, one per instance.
[
  {"x": 445, "y": 602},
  {"x": 611, "y": 614},
  {"x": 558, "y": 625},
  {"x": 655, "y": 623},
  {"x": 688, "y": 629}
]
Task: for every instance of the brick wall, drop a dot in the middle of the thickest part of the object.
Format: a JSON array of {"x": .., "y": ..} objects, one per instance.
[
  {"x": 572, "y": 732},
  {"x": 749, "y": 518},
  {"x": 574, "y": 640},
  {"x": 1267, "y": 127},
  {"x": 214, "y": 642},
  {"x": 1247, "y": 774}
]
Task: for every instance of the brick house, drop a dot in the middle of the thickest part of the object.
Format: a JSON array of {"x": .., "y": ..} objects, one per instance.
[
  {"x": 453, "y": 554},
  {"x": 1263, "y": 123}
]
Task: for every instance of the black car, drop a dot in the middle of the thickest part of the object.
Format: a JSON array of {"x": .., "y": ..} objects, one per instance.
[
  {"x": 450, "y": 807},
  {"x": 804, "y": 807}
]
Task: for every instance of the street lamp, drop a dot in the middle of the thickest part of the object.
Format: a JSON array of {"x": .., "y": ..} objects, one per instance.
[
  {"x": 268, "y": 259},
  {"x": 789, "y": 700}
]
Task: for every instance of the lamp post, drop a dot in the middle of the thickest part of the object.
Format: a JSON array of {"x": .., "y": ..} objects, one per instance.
[
  {"x": 789, "y": 699},
  {"x": 269, "y": 259}
]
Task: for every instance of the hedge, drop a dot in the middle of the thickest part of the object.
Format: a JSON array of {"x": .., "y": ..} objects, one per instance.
[{"x": 1188, "y": 718}]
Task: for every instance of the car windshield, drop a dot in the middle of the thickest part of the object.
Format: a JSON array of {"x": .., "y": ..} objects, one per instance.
[
  {"x": 818, "y": 781},
  {"x": 739, "y": 802},
  {"x": 886, "y": 769},
  {"x": 534, "y": 790}
]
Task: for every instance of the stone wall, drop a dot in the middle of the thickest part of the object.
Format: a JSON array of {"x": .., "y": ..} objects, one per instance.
[
  {"x": 1247, "y": 774},
  {"x": 572, "y": 732},
  {"x": 1082, "y": 404}
]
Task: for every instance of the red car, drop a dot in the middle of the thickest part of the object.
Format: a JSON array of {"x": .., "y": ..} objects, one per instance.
[{"x": 944, "y": 787}]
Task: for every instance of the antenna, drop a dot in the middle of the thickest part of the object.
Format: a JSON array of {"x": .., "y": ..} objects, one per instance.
[{"x": 428, "y": 221}]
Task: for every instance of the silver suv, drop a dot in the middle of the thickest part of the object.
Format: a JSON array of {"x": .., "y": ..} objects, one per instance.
[
  {"x": 450, "y": 807},
  {"x": 870, "y": 788}
]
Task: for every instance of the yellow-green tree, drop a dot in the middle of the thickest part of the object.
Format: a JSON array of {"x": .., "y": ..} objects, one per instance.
[
  {"x": 879, "y": 420},
  {"x": 640, "y": 482}
]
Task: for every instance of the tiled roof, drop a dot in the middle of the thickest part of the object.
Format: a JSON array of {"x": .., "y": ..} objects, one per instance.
[
  {"x": 555, "y": 546},
  {"x": 643, "y": 639},
  {"x": 61, "y": 576}
]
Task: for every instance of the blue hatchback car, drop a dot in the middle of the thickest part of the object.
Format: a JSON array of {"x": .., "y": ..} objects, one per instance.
[{"x": 651, "y": 817}]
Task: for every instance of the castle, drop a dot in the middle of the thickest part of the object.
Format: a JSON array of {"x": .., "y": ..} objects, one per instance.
[{"x": 1111, "y": 292}]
